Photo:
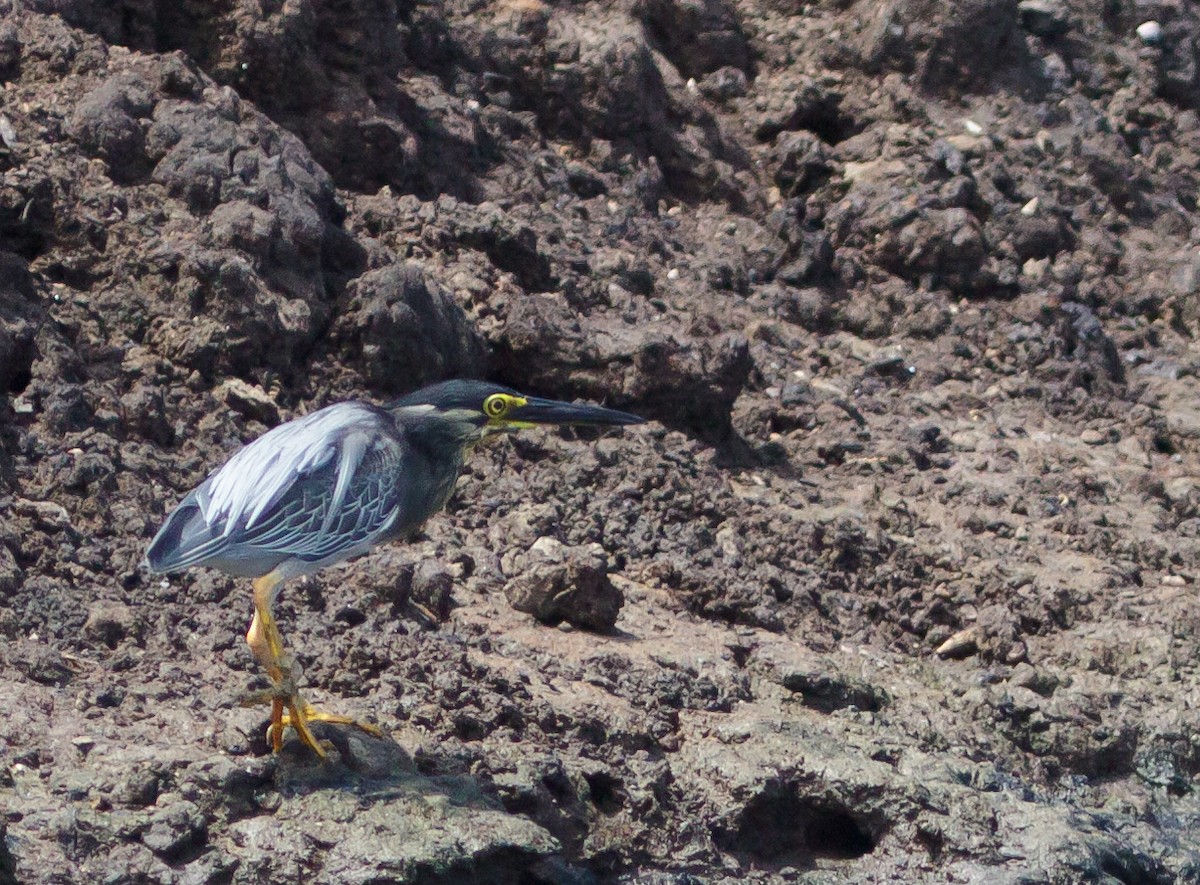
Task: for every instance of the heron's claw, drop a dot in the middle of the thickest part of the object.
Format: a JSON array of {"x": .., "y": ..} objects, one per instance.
[
  {"x": 288, "y": 709},
  {"x": 299, "y": 714}
]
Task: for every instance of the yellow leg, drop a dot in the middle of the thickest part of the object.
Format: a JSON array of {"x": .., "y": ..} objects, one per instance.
[
  {"x": 267, "y": 645},
  {"x": 300, "y": 713}
]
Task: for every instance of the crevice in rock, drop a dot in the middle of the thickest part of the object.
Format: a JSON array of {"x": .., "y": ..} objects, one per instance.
[{"x": 781, "y": 826}]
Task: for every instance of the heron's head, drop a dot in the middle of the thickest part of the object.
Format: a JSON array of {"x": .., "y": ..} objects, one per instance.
[{"x": 494, "y": 408}]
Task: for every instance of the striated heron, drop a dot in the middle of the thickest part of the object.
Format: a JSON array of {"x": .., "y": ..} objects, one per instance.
[{"x": 330, "y": 486}]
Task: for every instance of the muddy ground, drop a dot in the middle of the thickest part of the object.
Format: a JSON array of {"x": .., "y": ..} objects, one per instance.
[{"x": 903, "y": 566}]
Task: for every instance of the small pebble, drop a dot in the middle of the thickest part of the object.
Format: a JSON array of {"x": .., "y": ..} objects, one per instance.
[
  {"x": 8, "y": 132},
  {"x": 1173, "y": 581},
  {"x": 673, "y": 273},
  {"x": 962, "y": 644},
  {"x": 973, "y": 127},
  {"x": 1092, "y": 437},
  {"x": 1151, "y": 32}
]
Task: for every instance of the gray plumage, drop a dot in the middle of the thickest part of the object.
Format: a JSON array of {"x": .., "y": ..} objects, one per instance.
[
  {"x": 315, "y": 491},
  {"x": 331, "y": 485}
]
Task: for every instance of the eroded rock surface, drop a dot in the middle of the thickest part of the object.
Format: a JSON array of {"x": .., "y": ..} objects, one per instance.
[{"x": 897, "y": 583}]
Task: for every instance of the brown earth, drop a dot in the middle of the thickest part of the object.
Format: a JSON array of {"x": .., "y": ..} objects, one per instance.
[{"x": 906, "y": 558}]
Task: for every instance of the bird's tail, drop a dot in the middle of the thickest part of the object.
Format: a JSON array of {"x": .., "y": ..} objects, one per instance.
[{"x": 184, "y": 540}]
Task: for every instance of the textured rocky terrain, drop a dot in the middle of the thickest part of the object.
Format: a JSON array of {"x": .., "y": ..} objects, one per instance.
[{"x": 903, "y": 566}]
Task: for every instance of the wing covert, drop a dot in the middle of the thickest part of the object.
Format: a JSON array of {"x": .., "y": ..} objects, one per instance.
[
  {"x": 348, "y": 500},
  {"x": 254, "y": 480}
]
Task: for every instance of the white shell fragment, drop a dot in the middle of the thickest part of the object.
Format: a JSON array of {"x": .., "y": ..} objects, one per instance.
[{"x": 1150, "y": 32}]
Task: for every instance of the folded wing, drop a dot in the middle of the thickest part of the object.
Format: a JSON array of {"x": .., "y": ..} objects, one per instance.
[{"x": 316, "y": 490}]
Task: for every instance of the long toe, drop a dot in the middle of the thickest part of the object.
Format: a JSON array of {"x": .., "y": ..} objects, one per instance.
[
  {"x": 297, "y": 717},
  {"x": 315, "y": 715}
]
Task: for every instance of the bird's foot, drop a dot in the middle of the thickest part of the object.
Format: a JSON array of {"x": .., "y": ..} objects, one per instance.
[
  {"x": 299, "y": 713},
  {"x": 289, "y": 709}
]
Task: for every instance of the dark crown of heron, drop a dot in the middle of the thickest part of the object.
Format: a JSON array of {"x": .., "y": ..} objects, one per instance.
[{"x": 483, "y": 404}]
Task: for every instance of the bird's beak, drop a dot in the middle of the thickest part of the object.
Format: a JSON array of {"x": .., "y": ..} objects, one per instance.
[{"x": 537, "y": 411}]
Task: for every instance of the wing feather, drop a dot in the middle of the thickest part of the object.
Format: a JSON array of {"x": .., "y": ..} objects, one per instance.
[
  {"x": 316, "y": 489},
  {"x": 253, "y": 480},
  {"x": 353, "y": 448}
]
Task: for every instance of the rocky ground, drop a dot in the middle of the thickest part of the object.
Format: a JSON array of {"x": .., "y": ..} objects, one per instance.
[{"x": 905, "y": 558}]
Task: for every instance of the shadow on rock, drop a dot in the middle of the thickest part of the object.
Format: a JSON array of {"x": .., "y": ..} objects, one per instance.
[
  {"x": 373, "y": 768},
  {"x": 371, "y": 817},
  {"x": 357, "y": 761}
]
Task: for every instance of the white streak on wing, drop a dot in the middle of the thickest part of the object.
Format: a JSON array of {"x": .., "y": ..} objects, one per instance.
[
  {"x": 354, "y": 447},
  {"x": 256, "y": 477}
]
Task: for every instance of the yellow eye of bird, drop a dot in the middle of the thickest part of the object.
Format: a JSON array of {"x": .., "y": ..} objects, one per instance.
[{"x": 496, "y": 405}]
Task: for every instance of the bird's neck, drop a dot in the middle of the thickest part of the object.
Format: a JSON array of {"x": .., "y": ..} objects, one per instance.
[{"x": 440, "y": 430}]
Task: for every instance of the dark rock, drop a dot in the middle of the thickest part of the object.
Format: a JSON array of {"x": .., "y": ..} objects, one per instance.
[
  {"x": 556, "y": 583},
  {"x": 248, "y": 400},
  {"x": 608, "y": 85},
  {"x": 210, "y": 868},
  {"x": 1179, "y": 62},
  {"x": 1115, "y": 174},
  {"x": 828, "y": 693},
  {"x": 1039, "y": 237},
  {"x": 378, "y": 833},
  {"x": 110, "y": 622},
  {"x": 811, "y": 107},
  {"x": 39, "y": 662},
  {"x": 948, "y": 243},
  {"x": 19, "y": 320},
  {"x": 1087, "y": 342},
  {"x": 11, "y": 574},
  {"x": 110, "y": 123},
  {"x": 699, "y": 36},
  {"x": 222, "y": 152},
  {"x": 780, "y": 822},
  {"x": 176, "y": 831},
  {"x": 330, "y": 76},
  {"x": 139, "y": 788},
  {"x": 10, "y": 50},
  {"x": 364, "y": 753},
  {"x": 432, "y": 588},
  {"x": 1043, "y": 18},
  {"x": 510, "y": 244},
  {"x": 8, "y": 864},
  {"x": 694, "y": 384},
  {"x": 144, "y": 411},
  {"x": 671, "y": 375},
  {"x": 90, "y": 472},
  {"x": 923, "y": 443},
  {"x": 724, "y": 84},
  {"x": 802, "y": 163},
  {"x": 955, "y": 46},
  {"x": 812, "y": 263},
  {"x": 407, "y": 332}
]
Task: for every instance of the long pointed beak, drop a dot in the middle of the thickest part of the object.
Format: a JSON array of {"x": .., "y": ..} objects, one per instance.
[{"x": 548, "y": 411}]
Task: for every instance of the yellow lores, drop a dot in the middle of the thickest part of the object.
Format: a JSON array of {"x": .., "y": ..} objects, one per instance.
[{"x": 330, "y": 486}]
